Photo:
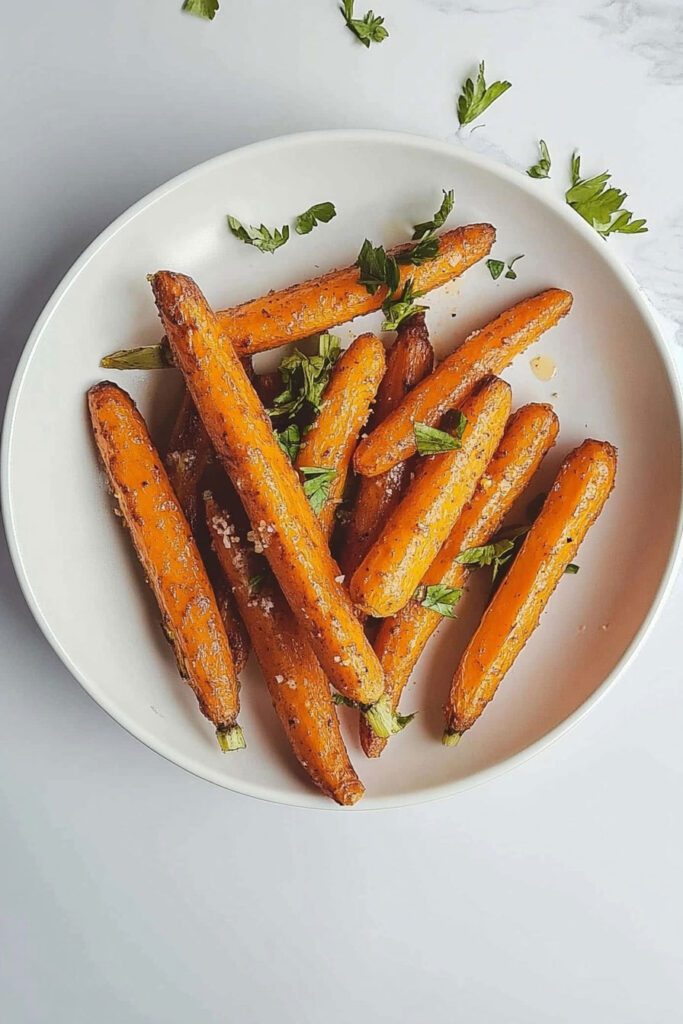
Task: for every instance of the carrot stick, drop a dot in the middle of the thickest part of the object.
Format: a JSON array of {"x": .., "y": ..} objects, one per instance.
[
  {"x": 409, "y": 359},
  {"x": 485, "y": 352},
  {"x": 575, "y": 501},
  {"x": 315, "y": 306},
  {"x": 266, "y": 482},
  {"x": 297, "y": 685},
  {"x": 169, "y": 556},
  {"x": 401, "y": 639},
  {"x": 331, "y": 439},
  {"x": 386, "y": 579}
]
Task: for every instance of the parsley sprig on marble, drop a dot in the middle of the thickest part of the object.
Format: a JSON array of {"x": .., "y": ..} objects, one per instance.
[
  {"x": 368, "y": 29},
  {"x": 477, "y": 96},
  {"x": 202, "y": 8},
  {"x": 541, "y": 169},
  {"x": 601, "y": 206}
]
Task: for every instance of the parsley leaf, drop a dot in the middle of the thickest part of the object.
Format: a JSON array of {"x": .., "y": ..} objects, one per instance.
[
  {"x": 317, "y": 483},
  {"x": 600, "y": 206},
  {"x": 542, "y": 168},
  {"x": 202, "y": 8},
  {"x": 428, "y": 227},
  {"x": 305, "y": 378},
  {"x": 319, "y": 213},
  {"x": 289, "y": 440},
  {"x": 439, "y": 598},
  {"x": 495, "y": 554},
  {"x": 260, "y": 237},
  {"x": 512, "y": 274},
  {"x": 430, "y": 441},
  {"x": 256, "y": 582},
  {"x": 368, "y": 29},
  {"x": 496, "y": 268},
  {"x": 477, "y": 97},
  {"x": 422, "y": 252},
  {"x": 398, "y": 310},
  {"x": 377, "y": 268}
]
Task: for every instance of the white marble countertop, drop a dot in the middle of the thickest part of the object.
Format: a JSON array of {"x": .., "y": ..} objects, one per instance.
[{"x": 133, "y": 892}]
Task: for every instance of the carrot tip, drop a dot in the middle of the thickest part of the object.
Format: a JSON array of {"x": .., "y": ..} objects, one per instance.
[
  {"x": 451, "y": 739},
  {"x": 151, "y": 357},
  {"x": 231, "y": 738}
]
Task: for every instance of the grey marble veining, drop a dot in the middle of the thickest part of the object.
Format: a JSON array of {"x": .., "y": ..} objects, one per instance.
[{"x": 653, "y": 31}]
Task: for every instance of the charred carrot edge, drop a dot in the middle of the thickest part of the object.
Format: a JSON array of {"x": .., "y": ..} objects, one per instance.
[
  {"x": 388, "y": 575},
  {"x": 189, "y": 454},
  {"x": 530, "y": 434},
  {"x": 297, "y": 685},
  {"x": 487, "y": 351},
  {"x": 267, "y": 484},
  {"x": 316, "y": 306},
  {"x": 575, "y": 501},
  {"x": 410, "y": 358},
  {"x": 169, "y": 556},
  {"x": 330, "y": 441}
]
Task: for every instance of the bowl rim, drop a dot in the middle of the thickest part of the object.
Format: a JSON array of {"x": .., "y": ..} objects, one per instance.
[{"x": 372, "y": 136}]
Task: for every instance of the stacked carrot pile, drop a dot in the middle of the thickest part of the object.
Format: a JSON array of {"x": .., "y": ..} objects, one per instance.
[{"x": 234, "y": 529}]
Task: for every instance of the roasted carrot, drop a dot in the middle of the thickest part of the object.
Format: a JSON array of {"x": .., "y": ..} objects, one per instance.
[
  {"x": 388, "y": 575},
  {"x": 401, "y": 639},
  {"x": 297, "y": 685},
  {"x": 267, "y": 484},
  {"x": 575, "y": 501},
  {"x": 409, "y": 359},
  {"x": 189, "y": 454},
  {"x": 315, "y": 306},
  {"x": 169, "y": 556},
  {"x": 484, "y": 352},
  {"x": 330, "y": 441}
]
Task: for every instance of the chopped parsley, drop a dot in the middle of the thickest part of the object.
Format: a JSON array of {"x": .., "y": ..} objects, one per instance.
[
  {"x": 319, "y": 213},
  {"x": 368, "y": 29},
  {"x": 476, "y": 97},
  {"x": 431, "y": 441},
  {"x": 600, "y": 206},
  {"x": 317, "y": 483},
  {"x": 439, "y": 598},
  {"x": 542, "y": 168},
  {"x": 262, "y": 238}
]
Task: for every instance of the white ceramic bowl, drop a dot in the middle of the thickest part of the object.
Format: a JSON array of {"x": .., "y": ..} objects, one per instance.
[{"x": 615, "y": 381}]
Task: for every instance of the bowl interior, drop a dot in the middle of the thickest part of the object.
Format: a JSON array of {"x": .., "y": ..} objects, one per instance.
[{"x": 613, "y": 382}]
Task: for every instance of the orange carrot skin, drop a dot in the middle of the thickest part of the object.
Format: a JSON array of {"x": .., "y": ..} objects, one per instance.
[
  {"x": 487, "y": 351},
  {"x": 410, "y": 358},
  {"x": 297, "y": 685},
  {"x": 189, "y": 454},
  {"x": 268, "y": 487},
  {"x": 332, "y": 438},
  {"x": 167, "y": 550},
  {"x": 313, "y": 307},
  {"x": 575, "y": 501},
  {"x": 530, "y": 434},
  {"x": 386, "y": 579}
]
